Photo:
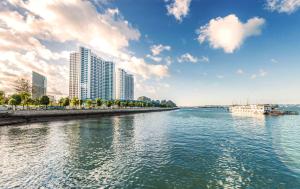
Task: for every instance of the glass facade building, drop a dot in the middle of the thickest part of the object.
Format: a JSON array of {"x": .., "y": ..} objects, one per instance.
[{"x": 39, "y": 85}]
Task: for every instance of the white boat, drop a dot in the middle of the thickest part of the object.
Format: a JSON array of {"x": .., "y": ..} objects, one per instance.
[{"x": 252, "y": 109}]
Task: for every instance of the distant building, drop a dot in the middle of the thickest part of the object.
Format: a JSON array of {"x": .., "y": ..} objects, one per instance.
[
  {"x": 39, "y": 85},
  {"x": 91, "y": 77},
  {"x": 129, "y": 87},
  {"x": 124, "y": 85}
]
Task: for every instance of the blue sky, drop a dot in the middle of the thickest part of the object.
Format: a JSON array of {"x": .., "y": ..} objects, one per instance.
[{"x": 203, "y": 51}]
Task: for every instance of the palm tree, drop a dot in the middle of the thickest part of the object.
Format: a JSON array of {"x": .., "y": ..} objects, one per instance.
[
  {"x": 99, "y": 102},
  {"x": 75, "y": 102},
  {"x": 89, "y": 103}
]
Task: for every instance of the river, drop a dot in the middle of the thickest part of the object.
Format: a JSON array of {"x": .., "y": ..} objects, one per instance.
[{"x": 186, "y": 148}]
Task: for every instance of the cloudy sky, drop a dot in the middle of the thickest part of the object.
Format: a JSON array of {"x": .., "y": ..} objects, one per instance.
[{"x": 194, "y": 52}]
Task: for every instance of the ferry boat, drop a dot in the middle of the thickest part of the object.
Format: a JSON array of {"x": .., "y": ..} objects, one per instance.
[{"x": 261, "y": 109}]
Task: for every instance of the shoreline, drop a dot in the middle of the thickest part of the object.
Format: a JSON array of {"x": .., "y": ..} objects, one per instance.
[{"x": 36, "y": 116}]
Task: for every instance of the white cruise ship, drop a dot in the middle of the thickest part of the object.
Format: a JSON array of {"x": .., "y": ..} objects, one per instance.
[{"x": 252, "y": 108}]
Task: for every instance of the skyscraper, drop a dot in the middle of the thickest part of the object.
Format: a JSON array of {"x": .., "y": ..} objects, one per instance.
[
  {"x": 91, "y": 77},
  {"x": 74, "y": 76},
  {"x": 120, "y": 84},
  {"x": 39, "y": 85},
  {"x": 129, "y": 87},
  {"x": 125, "y": 85}
]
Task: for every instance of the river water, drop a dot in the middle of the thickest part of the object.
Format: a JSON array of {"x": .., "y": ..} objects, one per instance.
[{"x": 186, "y": 148}]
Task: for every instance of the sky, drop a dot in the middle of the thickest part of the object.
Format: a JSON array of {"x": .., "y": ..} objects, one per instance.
[{"x": 194, "y": 52}]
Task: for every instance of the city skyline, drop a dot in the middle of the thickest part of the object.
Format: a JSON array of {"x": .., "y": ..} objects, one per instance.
[{"x": 190, "y": 51}]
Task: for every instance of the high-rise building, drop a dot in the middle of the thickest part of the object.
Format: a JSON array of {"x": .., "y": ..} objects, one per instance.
[
  {"x": 91, "y": 77},
  {"x": 74, "y": 76},
  {"x": 120, "y": 84},
  {"x": 39, "y": 85},
  {"x": 125, "y": 85},
  {"x": 129, "y": 87}
]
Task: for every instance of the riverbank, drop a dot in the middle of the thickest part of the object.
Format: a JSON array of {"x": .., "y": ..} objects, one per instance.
[{"x": 33, "y": 116}]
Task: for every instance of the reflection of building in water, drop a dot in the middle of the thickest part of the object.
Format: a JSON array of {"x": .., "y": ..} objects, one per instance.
[{"x": 123, "y": 131}]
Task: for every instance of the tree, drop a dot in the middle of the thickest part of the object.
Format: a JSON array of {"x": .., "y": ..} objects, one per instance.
[
  {"x": 108, "y": 103},
  {"x": 22, "y": 85},
  {"x": 170, "y": 104},
  {"x": 122, "y": 103},
  {"x": 144, "y": 99},
  {"x": 81, "y": 102},
  {"x": 2, "y": 97},
  {"x": 17, "y": 98},
  {"x": 24, "y": 98},
  {"x": 66, "y": 102},
  {"x": 88, "y": 103},
  {"x": 75, "y": 101},
  {"x": 61, "y": 101},
  {"x": 44, "y": 100},
  {"x": 131, "y": 104},
  {"x": 99, "y": 102},
  {"x": 117, "y": 102},
  {"x": 12, "y": 102}
]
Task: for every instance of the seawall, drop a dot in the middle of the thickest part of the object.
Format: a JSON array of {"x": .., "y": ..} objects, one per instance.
[{"x": 33, "y": 116}]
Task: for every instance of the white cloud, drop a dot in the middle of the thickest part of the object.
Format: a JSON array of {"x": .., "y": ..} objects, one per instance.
[
  {"x": 179, "y": 8},
  {"x": 274, "y": 61},
  {"x": 168, "y": 60},
  {"x": 203, "y": 59},
  {"x": 187, "y": 57},
  {"x": 253, "y": 76},
  {"x": 229, "y": 32},
  {"x": 154, "y": 58},
  {"x": 157, "y": 49},
  {"x": 283, "y": 6},
  {"x": 220, "y": 76},
  {"x": 262, "y": 73},
  {"x": 28, "y": 25},
  {"x": 240, "y": 71}
]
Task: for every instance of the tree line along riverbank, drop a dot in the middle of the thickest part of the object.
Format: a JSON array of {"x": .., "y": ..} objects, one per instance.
[{"x": 31, "y": 116}]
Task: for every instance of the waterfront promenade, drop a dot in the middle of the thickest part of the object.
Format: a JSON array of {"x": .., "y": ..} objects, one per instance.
[{"x": 29, "y": 116}]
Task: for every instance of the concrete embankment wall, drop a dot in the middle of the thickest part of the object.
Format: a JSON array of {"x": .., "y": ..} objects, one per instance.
[{"x": 29, "y": 116}]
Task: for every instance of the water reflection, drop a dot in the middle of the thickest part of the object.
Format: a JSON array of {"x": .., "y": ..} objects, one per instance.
[{"x": 180, "y": 149}]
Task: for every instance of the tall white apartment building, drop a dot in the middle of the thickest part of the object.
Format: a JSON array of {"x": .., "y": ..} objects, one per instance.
[
  {"x": 73, "y": 75},
  {"x": 91, "y": 77},
  {"x": 125, "y": 85}
]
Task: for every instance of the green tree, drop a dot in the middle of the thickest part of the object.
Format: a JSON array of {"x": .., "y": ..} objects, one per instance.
[
  {"x": 2, "y": 97},
  {"x": 99, "y": 102},
  {"x": 89, "y": 103},
  {"x": 17, "y": 98},
  {"x": 117, "y": 102},
  {"x": 24, "y": 98},
  {"x": 75, "y": 101},
  {"x": 66, "y": 102},
  {"x": 81, "y": 102},
  {"x": 22, "y": 85},
  {"x": 144, "y": 98},
  {"x": 44, "y": 100},
  {"x": 12, "y": 102},
  {"x": 108, "y": 103},
  {"x": 131, "y": 104},
  {"x": 61, "y": 101}
]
